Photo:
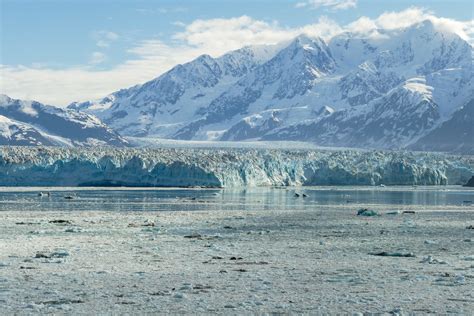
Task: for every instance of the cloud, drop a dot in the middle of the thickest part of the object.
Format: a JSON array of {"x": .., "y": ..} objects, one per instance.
[
  {"x": 97, "y": 58},
  {"x": 60, "y": 87},
  {"x": 150, "y": 58},
  {"x": 395, "y": 20},
  {"x": 232, "y": 33},
  {"x": 330, "y": 4},
  {"x": 104, "y": 38},
  {"x": 178, "y": 23},
  {"x": 241, "y": 31},
  {"x": 362, "y": 25}
]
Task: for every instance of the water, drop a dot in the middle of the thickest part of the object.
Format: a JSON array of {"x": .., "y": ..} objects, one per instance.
[{"x": 251, "y": 199}]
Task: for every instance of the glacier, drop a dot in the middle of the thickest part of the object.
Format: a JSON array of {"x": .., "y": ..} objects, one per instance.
[{"x": 229, "y": 167}]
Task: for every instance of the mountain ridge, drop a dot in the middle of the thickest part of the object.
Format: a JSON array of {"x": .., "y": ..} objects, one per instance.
[{"x": 34, "y": 123}]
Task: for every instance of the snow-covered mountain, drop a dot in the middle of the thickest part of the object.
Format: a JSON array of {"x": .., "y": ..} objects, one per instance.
[
  {"x": 32, "y": 123},
  {"x": 169, "y": 102},
  {"x": 389, "y": 89}
]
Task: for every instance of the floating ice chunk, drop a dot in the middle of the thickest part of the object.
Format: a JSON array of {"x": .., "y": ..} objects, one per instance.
[
  {"x": 431, "y": 260},
  {"x": 367, "y": 212}
]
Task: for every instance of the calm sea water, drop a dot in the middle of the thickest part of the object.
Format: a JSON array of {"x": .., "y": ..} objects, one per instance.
[{"x": 128, "y": 199}]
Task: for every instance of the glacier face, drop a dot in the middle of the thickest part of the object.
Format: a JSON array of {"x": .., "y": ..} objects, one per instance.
[
  {"x": 55, "y": 166},
  {"x": 33, "y": 123},
  {"x": 386, "y": 90}
]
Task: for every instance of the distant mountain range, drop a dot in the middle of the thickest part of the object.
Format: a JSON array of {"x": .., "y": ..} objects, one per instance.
[
  {"x": 393, "y": 89},
  {"x": 31, "y": 123}
]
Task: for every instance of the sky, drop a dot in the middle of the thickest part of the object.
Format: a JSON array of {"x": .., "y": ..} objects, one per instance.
[{"x": 60, "y": 51}]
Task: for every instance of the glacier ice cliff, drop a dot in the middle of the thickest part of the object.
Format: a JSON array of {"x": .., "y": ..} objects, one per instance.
[{"x": 55, "y": 166}]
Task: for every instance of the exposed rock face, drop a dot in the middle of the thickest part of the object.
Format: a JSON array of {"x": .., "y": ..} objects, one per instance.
[
  {"x": 470, "y": 183},
  {"x": 454, "y": 135}
]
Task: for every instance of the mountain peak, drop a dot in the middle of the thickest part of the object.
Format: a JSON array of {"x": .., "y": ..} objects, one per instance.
[
  {"x": 431, "y": 29},
  {"x": 307, "y": 54},
  {"x": 426, "y": 24},
  {"x": 303, "y": 39},
  {"x": 204, "y": 58},
  {"x": 4, "y": 98},
  {"x": 306, "y": 42},
  {"x": 260, "y": 53}
]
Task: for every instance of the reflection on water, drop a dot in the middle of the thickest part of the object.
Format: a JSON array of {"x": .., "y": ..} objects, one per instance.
[{"x": 94, "y": 199}]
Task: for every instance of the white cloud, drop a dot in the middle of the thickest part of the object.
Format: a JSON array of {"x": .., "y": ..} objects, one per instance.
[
  {"x": 331, "y": 4},
  {"x": 241, "y": 31},
  {"x": 152, "y": 57},
  {"x": 63, "y": 86},
  {"x": 178, "y": 23},
  {"x": 395, "y": 20},
  {"x": 232, "y": 33},
  {"x": 104, "y": 38},
  {"x": 97, "y": 58},
  {"x": 363, "y": 25}
]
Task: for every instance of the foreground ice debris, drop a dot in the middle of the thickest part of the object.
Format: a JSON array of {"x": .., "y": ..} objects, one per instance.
[
  {"x": 54, "y": 166},
  {"x": 366, "y": 212},
  {"x": 282, "y": 257}
]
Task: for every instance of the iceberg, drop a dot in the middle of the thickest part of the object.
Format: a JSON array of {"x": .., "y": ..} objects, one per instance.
[{"x": 226, "y": 167}]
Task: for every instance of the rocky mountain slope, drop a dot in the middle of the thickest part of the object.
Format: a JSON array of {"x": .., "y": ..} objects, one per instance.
[{"x": 454, "y": 135}]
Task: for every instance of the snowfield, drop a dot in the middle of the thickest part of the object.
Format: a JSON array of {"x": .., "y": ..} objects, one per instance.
[{"x": 229, "y": 167}]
